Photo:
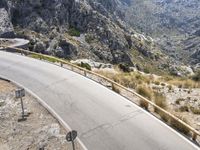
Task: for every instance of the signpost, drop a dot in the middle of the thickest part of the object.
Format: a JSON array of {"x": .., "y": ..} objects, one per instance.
[
  {"x": 20, "y": 93},
  {"x": 71, "y": 136}
]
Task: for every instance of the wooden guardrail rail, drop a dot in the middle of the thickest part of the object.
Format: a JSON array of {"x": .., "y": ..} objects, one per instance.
[{"x": 194, "y": 132}]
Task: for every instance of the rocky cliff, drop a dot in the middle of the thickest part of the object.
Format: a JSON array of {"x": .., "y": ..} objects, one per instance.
[
  {"x": 6, "y": 27},
  {"x": 78, "y": 29}
]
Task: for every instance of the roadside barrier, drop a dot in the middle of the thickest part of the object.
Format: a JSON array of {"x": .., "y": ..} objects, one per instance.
[{"x": 193, "y": 132}]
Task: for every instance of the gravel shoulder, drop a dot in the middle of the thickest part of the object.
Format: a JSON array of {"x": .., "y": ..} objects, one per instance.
[{"x": 39, "y": 131}]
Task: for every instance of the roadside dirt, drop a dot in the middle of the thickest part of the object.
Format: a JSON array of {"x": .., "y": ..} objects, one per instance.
[{"x": 40, "y": 131}]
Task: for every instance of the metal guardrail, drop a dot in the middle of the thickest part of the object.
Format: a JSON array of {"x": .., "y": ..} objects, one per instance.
[{"x": 194, "y": 132}]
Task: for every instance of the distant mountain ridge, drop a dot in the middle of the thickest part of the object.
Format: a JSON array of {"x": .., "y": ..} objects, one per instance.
[{"x": 175, "y": 24}]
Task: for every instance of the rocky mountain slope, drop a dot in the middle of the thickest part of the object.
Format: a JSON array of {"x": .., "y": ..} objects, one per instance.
[
  {"x": 174, "y": 24},
  {"x": 73, "y": 29}
]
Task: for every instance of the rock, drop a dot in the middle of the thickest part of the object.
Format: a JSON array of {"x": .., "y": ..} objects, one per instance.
[
  {"x": 54, "y": 130},
  {"x": 69, "y": 49},
  {"x": 39, "y": 47},
  {"x": 6, "y": 27},
  {"x": 92, "y": 63},
  {"x": 2, "y": 103}
]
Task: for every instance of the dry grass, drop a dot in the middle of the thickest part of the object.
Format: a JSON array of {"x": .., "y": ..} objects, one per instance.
[
  {"x": 160, "y": 100},
  {"x": 144, "y": 104},
  {"x": 181, "y": 82},
  {"x": 140, "y": 83},
  {"x": 116, "y": 89},
  {"x": 164, "y": 116},
  {"x": 129, "y": 80},
  {"x": 195, "y": 110},
  {"x": 147, "y": 93},
  {"x": 179, "y": 126}
]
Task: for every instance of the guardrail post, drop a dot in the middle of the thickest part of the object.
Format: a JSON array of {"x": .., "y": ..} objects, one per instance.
[
  {"x": 113, "y": 86},
  {"x": 194, "y": 136},
  {"x": 85, "y": 73},
  {"x": 61, "y": 64}
]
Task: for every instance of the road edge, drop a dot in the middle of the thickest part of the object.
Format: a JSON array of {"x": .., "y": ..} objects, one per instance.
[{"x": 47, "y": 107}]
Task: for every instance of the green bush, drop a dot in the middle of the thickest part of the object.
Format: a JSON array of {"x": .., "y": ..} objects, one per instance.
[
  {"x": 74, "y": 32},
  {"x": 85, "y": 65},
  {"x": 124, "y": 67},
  {"x": 196, "y": 77},
  {"x": 146, "y": 70}
]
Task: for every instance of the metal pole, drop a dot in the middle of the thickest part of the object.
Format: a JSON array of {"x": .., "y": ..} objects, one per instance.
[
  {"x": 73, "y": 145},
  {"x": 22, "y": 108}
]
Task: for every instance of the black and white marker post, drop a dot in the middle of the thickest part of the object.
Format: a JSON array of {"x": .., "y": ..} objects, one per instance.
[
  {"x": 71, "y": 136},
  {"x": 20, "y": 93}
]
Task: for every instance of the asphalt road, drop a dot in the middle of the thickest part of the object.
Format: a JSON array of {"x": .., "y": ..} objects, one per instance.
[
  {"x": 104, "y": 120},
  {"x": 16, "y": 42}
]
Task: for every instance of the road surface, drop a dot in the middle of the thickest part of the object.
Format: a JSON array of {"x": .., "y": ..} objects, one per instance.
[
  {"x": 16, "y": 42},
  {"x": 104, "y": 120}
]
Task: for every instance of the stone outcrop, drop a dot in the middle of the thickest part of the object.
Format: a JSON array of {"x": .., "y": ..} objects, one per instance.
[
  {"x": 6, "y": 27},
  {"x": 76, "y": 28}
]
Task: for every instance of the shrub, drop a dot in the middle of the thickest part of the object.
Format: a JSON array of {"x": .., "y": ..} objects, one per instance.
[
  {"x": 188, "y": 84},
  {"x": 115, "y": 88},
  {"x": 179, "y": 126},
  {"x": 163, "y": 84},
  {"x": 157, "y": 83},
  {"x": 195, "y": 110},
  {"x": 124, "y": 67},
  {"x": 180, "y": 86},
  {"x": 164, "y": 116},
  {"x": 74, "y": 32},
  {"x": 178, "y": 101},
  {"x": 196, "y": 77},
  {"x": 160, "y": 100},
  {"x": 184, "y": 108},
  {"x": 89, "y": 39},
  {"x": 147, "y": 93},
  {"x": 85, "y": 65},
  {"x": 170, "y": 87},
  {"x": 146, "y": 70},
  {"x": 144, "y": 104},
  {"x": 43, "y": 58}
]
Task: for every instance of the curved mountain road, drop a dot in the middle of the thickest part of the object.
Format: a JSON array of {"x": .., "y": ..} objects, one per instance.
[{"x": 104, "y": 120}]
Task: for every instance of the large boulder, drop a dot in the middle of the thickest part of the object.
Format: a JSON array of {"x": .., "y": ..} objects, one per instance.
[{"x": 6, "y": 27}]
